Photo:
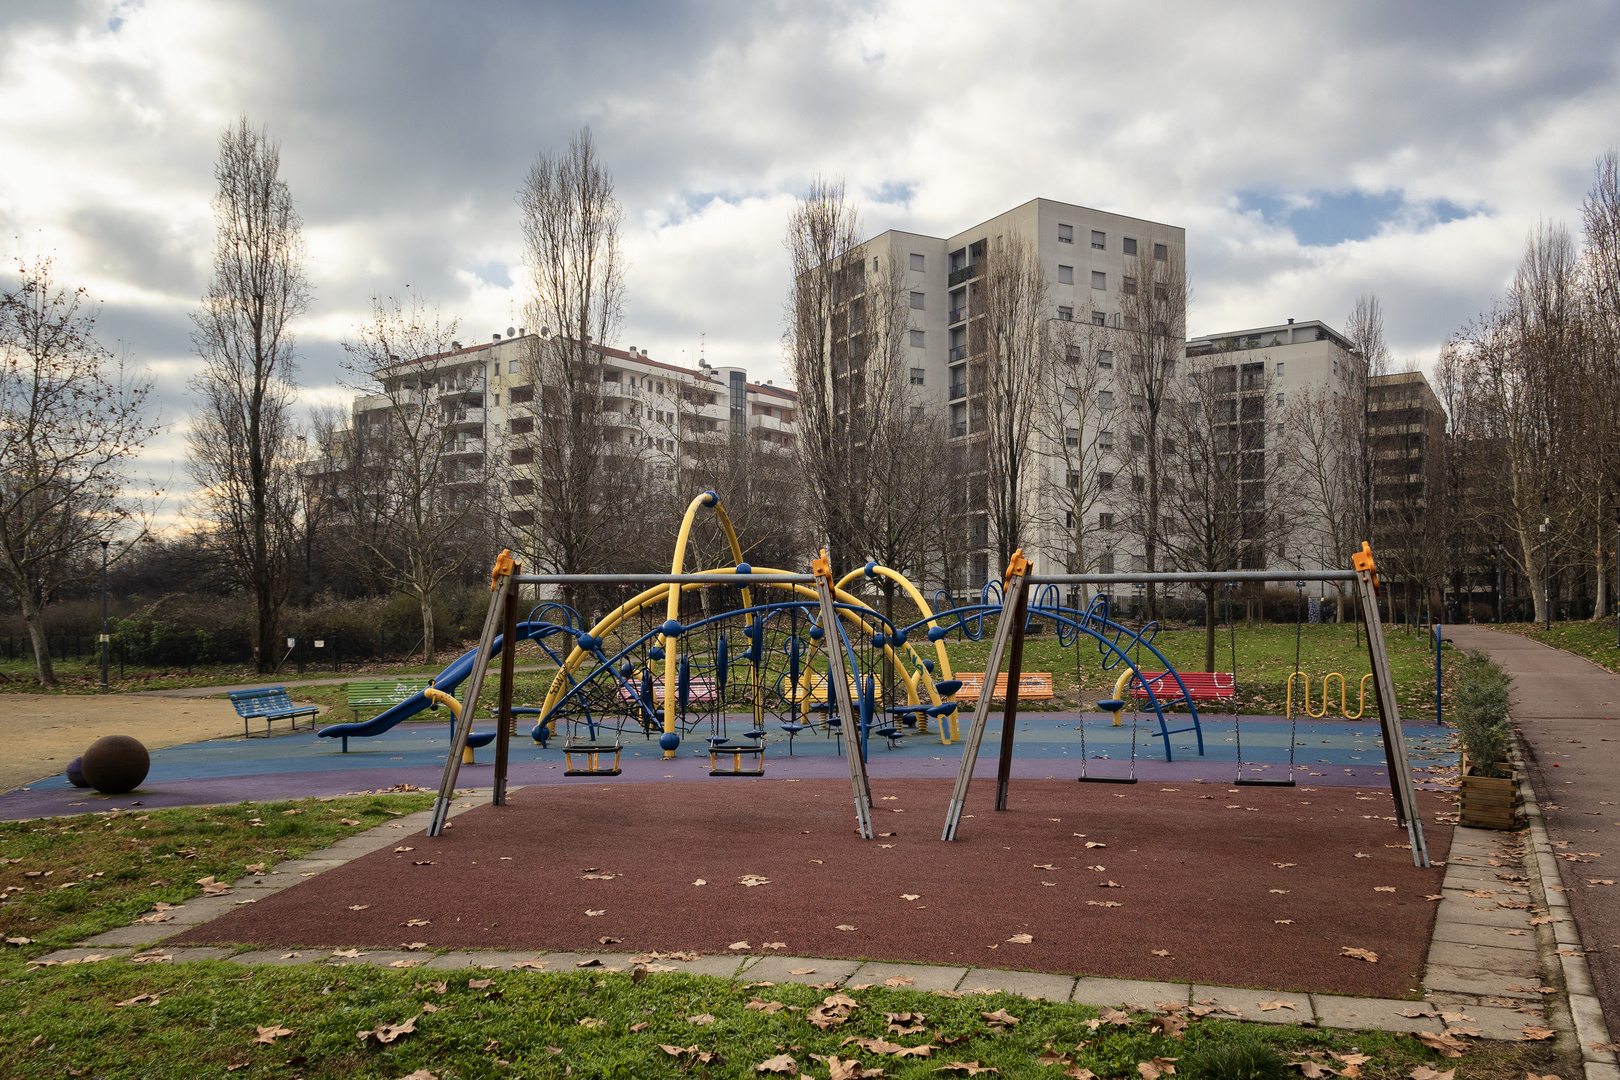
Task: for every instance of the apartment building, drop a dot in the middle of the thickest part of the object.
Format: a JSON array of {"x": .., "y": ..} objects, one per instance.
[
  {"x": 1091, "y": 260},
  {"x": 655, "y": 413}
]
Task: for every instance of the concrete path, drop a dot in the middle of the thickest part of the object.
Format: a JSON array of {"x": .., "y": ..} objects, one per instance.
[
  {"x": 1565, "y": 709},
  {"x": 335, "y": 680}
]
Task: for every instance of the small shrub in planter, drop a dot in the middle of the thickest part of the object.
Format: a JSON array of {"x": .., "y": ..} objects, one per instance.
[{"x": 1488, "y": 796}]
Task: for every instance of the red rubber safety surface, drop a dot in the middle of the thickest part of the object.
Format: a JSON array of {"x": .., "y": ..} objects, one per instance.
[{"x": 1197, "y": 866}]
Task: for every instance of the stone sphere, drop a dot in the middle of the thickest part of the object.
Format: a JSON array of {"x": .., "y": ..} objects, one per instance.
[
  {"x": 115, "y": 764},
  {"x": 75, "y": 772}
]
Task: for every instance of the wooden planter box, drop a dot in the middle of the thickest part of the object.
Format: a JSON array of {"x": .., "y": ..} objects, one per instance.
[{"x": 1487, "y": 802}]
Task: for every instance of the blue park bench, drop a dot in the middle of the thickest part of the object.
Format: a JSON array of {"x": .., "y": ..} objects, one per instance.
[{"x": 269, "y": 704}]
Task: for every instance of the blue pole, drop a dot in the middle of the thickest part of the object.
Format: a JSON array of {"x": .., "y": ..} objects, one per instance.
[{"x": 1437, "y": 640}]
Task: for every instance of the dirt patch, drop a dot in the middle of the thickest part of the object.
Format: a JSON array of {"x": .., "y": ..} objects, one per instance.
[{"x": 41, "y": 733}]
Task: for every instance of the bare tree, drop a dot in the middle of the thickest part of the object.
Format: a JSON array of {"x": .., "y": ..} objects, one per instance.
[
  {"x": 1011, "y": 352},
  {"x": 71, "y": 421},
  {"x": 840, "y": 400},
  {"x": 415, "y": 484},
  {"x": 1079, "y": 446},
  {"x": 1215, "y": 493},
  {"x": 574, "y": 474},
  {"x": 242, "y": 426},
  {"x": 1153, "y": 300},
  {"x": 1600, "y": 397},
  {"x": 1364, "y": 328},
  {"x": 1327, "y": 426}
]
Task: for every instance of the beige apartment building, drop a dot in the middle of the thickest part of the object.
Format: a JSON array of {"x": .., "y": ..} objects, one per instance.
[{"x": 1090, "y": 257}]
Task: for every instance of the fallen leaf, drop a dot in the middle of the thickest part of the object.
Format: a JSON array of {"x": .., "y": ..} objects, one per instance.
[
  {"x": 751, "y": 880},
  {"x": 1535, "y": 1034},
  {"x": 349, "y": 954},
  {"x": 969, "y": 1068},
  {"x": 845, "y": 926},
  {"x": 700, "y": 881},
  {"x": 781, "y": 1063},
  {"x": 1283, "y": 922},
  {"x": 1359, "y": 954},
  {"x": 358, "y": 907},
  {"x": 1159, "y": 1066},
  {"x": 802, "y": 971},
  {"x": 1271, "y": 1006},
  {"x": 1448, "y": 1045},
  {"x": 479, "y": 984},
  {"x": 1383, "y": 888},
  {"x": 1171, "y": 1026},
  {"x": 1091, "y": 843},
  {"x": 899, "y": 980},
  {"x": 1022, "y": 939},
  {"x": 1160, "y": 952},
  {"x": 701, "y": 1019},
  {"x": 271, "y": 1033},
  {"x": 1116, "y": 1017},
  {"x": 594, "y": 914},
  {"x": 589, "y": 1022},
  {"x": 739, "y": 945},
  {"x": 1423, "y": 1072},
  {"x": 1000, "y": 1016},
  {"x": 417, "y": 922},
  {"x": 399, "y": 849}
]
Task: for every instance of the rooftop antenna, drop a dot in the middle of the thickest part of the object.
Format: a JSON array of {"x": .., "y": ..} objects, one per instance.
[{"x": 702, "y": 345}]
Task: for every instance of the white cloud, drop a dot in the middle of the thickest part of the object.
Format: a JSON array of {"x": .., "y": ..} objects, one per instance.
[{"x": 406, "y": 128}]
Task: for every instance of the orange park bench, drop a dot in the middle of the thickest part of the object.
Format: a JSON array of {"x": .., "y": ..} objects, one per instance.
[{"x": 1032, "y": 686}]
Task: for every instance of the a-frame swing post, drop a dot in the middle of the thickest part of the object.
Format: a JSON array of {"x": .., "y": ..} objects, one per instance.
[
  {"x": 500, "y": 581},
  {"x": 838, "y": 678},
  {"x": 1009, "y": 716},
  {"x": 1389, "y": 713},
  {"x": 1017, "y": 572},
  {"x": 504, "y": 720}
]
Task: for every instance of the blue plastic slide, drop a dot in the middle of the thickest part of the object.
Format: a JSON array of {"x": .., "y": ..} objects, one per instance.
[{"x": 447, "y": 680}]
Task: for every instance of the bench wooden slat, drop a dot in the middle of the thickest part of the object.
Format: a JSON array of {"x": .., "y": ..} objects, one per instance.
[
  {"x": 1201, "y": 685},
  {"x": 1032, "y": 685}
]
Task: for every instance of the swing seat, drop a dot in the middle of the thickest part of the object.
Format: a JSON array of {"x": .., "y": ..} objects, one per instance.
[
  {"x": 1106, "y": 779},
  {"x": 593, "y": 753},
  {"x": 737, "y": 751},
  {"x": 1241, "y": 782}
]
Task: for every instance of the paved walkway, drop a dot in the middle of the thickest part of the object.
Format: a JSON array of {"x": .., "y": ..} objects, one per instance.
[{"x": 1565, "y": 708}]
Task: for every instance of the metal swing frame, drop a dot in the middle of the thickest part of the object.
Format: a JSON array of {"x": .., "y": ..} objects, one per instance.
[{"x": 1018, "y": 580}]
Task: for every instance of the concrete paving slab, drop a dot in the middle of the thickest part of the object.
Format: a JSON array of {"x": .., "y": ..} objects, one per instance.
[
  {"x": 724, "y": 966},
  {"x": 1493, "y": 1021},
  {"x": 1482, "y": 913},
  {"x": 484, "y": 958},
  {"x": 192, "y": 955},
  {"x": 1031, "y": 984},
  {"x": 923, "y": 976},
  {"x": 134, "y": 934},
  {"x": 1515, "y": 964},
  {"x": 201, "y": 909},
  {"x": 1481, "y": 934},
  {"x": 1133, "y": 993},
  {"x": 1465, "y": 980},
  {"x": 278, "y": 957},
  {"x": 1247, "y": 1004},
  {"x": 267, "y": 882},
  {"x": 780, "y": 969},
  {"x": 403, "y": 958},
  {"x": 1380, "y": 1014}
]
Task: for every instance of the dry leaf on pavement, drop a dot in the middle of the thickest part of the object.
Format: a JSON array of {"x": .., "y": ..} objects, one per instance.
[
  {"x": 1359, "y": 954},
  {"x": 1536, "y": 1034},
  {"x": 1021, "y": 939},
  {"x": 1269, "y": 1006},
  {"x": 1448, "y": 1045}
]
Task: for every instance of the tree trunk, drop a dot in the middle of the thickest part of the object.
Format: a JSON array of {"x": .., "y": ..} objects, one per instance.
[
  {"x": 426, "y": 600},
  {"x": 34, "y": 618},
  {"x": 1600, "y": 606},
  {"x": 1209, "y": 629},
  {"x": 1533, "y": 570},
  {"x": 269, "y": 632}
]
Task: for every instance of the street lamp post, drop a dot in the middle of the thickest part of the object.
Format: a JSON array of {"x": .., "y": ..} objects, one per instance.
[
  {"x": 1546, "y": 561},
  {"x": 103, "y": 642},
  {"x": 1501, "y": 583}
]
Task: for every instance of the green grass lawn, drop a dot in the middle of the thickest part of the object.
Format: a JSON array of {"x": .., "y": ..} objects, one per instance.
[
  {"x": 1593, "y": 640},
  {"x": 65, "y": 879},
  {"x": 115, "y": 1019},
  {"x": 84, "y": 676},
  {"x": 206, "y": 1019}
]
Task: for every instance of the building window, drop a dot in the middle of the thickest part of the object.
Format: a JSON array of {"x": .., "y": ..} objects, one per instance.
[
  {"x": 1169, "y": 446},
  {"x": 1099, "y": 241},
  {"x": 1128, "y": 285},
  {"x": 523, "y": 487},
  {"x": 1280, "y": 459},
  {"x": 1065, "y": 234},
  {"x": 1129, "y": 245},
  {"x": 1281, "y": 429},
  {"x": 523, "y": 457},
  {"x": 917, "y": 301},
  {"x": 1065, "y": 314},
  {"x": 917, "y": 339},
  {"x": 511, "y": 367},
  {"x": 1105, "y": 440},
  {"x": 1139, "y": 484},
  {"x": 1105, "y": 399},
  {"x": 1105, "y": 521},
  {"x": 1099, "y": 319},
  {"x": 918, "y": 262},
  {"x": 1105, "y": 481},
  {"x": 1138, "y": 403},
  {"x": 521, "y": 395},
  {"x": 1279, "y": 368},
  {"x": 1279, "y": 401},
  {"x": 1169, "y": 369},
  {"x": 1138, "y": 563},
  {"x": 1099, "y": 280},
  {"x": 1071, "y": 436},
  {"x": 1065, "y": 275},
  {"x": 521, "y": 425},
  {"x": 1074, "y": 480},
  {"x": 1138, "y": 443},
  {"x": 1107, "y": 566},
  {"x": 874, "y": 264},
  {"x": 917, "y": 374},
  {"x": 1105, "y": 358},
  {"x": 495, "y": 400},
  {"x": 1161, "y": 252}
]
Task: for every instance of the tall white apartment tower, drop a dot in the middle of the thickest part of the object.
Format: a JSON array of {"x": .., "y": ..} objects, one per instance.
[{"x": 1089, "y": 257}]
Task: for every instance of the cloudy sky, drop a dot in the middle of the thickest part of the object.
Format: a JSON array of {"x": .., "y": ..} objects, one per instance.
[{"x": 1312, "y": 151}]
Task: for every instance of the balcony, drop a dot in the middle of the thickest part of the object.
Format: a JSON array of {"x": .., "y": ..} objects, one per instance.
[
  {"x": 966, "y": 273},
  {"x": 959, "y": 314},
  {"x": 959, "y": 429},
  {"x": 465, "y": 446},
  {"x": 959, "y": 353},
  {"x": 958, "y": 390},
  {"x": 469, "y": 417}
]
